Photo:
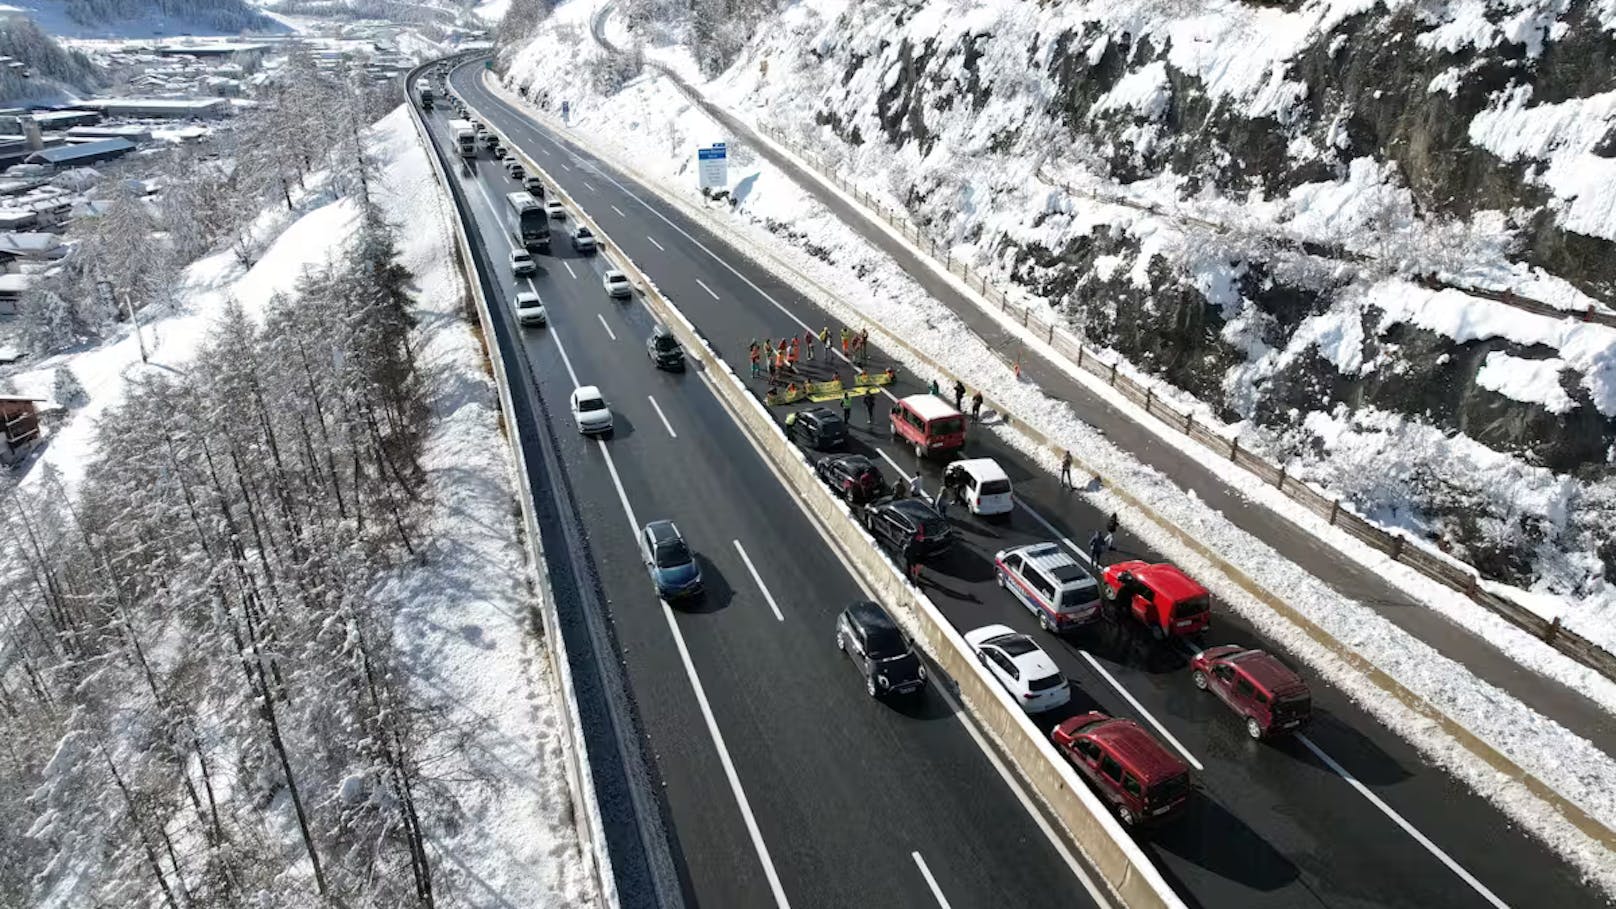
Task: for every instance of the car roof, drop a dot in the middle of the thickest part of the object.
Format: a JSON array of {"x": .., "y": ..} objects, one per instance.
[
  {"x": 915, "y": 508},
  {"x": 929, "y": 407},
  {"x": 587, "y": 391},
  {"x": 870, "y": 615},
  {"x": 854, "y": 460},
  {"x": 1055, "y": 561},
  {"x": 521, "y": 254},
  {"x": 1266, "y": 670},
  {"x": 526, "y": 296},
  {"x": 1136, "y": 749},
  {"x": 982, "y": 468},
  {"x": 1169, "y": 580}
]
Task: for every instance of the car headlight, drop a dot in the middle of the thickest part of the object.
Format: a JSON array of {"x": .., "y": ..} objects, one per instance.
[{"x": 881, "y": 680}]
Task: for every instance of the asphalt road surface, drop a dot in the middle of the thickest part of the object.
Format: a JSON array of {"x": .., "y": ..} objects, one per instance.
[{"x": 844, "y": 794}]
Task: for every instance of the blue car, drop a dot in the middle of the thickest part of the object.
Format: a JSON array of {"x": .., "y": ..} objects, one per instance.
[{"x": 673, "y": 569}]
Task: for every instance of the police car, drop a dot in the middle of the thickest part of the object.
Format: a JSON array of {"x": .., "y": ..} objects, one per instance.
[{"x": 1050, "y": 583}]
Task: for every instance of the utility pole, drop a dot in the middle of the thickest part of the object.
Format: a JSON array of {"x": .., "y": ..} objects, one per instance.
[{"x": 104, "y": 289}]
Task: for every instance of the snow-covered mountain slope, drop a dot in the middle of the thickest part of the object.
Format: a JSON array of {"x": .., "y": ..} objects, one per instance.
[
  {"x": 1282, "y": 208},
  {"x": 141, "y": 18}
]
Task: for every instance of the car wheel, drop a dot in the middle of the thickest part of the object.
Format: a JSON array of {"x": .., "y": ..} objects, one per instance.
[
  {"x": 1124, "y": 815},
  {"x": 1002, "y": 584},
  {"x": 1253, "y": 728},
  {"x": 1200, "y": 679},
  {"x": 1044, "y": 623},
  {"x": 869, "y": 685},
  {"x": 920, "y": 451},
  {"x": 1156, "y": 633}
]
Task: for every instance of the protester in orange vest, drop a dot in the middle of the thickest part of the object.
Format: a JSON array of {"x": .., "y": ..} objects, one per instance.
[
  {"x": 796, "y": 351},
  {"x": 847, "y": 335}
]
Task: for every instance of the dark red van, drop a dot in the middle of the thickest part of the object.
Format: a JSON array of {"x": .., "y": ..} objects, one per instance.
[
  {"x": 1128, "y": 768},
  {"x": 929, "y": 424},
  {"x": 1265, "y": 692}
]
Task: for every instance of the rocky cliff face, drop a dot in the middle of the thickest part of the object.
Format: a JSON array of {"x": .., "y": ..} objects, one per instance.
[{"x": 1270, "y": 205}]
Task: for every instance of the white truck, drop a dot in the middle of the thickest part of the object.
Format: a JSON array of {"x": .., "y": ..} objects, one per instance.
[{"x": 465, "y": 136}]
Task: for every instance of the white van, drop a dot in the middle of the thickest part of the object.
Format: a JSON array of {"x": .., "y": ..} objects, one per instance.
[
  {"x": 1050, "y": 583},
  {"x": 983, "y": 485}
]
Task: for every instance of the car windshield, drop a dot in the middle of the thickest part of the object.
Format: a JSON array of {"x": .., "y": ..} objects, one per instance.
[
  {"x": 672, "y": 554},
  {"x": 587, "y": 404},
  {"x": 1045, "y": 683},
  {"x": 885, "y": 644},
  {"x": 583, "y": 232},
  {"x": 616, "y": 279},
  {"x": 947, "y": 426},
  {"x": 934, "y": 528},
  {"x": 995, "y": 488}
]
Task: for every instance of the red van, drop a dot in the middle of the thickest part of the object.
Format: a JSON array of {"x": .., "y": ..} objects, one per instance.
[
  {"x": 928, "y": 423},
  {"x": 1164, "y": 598},
  {"x": 1127, "y": 767},
  {"x": 1265, "y": 692}
]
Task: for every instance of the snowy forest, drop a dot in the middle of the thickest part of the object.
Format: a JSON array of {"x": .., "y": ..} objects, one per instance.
[
  {"x": 48, "y": 61},
  {"x": 231, "y": 15},
  {"x": 201, "y": 704}
]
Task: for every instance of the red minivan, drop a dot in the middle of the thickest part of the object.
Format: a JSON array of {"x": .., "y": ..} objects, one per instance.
[
  {"x": 1127, "y": 767},
  {"x": 1265, "y": 692},
  {"x": 929, "y": 424},
  {"x": 1164, "y": 598}
]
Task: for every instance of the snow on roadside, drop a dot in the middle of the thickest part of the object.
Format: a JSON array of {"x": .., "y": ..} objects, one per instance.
[
  {"x": 466, "y": 612},
  {"x": 842, "y": 271}
]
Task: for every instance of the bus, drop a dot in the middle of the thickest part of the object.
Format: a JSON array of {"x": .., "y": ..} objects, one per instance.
[{"x": 527, "y": 221}]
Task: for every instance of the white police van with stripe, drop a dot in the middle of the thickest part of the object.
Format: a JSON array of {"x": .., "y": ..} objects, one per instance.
[{"x": 1050, "y": 583}]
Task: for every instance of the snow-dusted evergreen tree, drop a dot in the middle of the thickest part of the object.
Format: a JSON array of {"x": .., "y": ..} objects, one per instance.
[{"x": 66, "y": 389}]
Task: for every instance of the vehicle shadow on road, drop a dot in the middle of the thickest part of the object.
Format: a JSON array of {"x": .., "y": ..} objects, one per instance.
[
  {"x": 1347, "y": 746},
  {"x": 1207, "y": 835},
  {"x": 963, "y": 565},
  {"x": 1117, "y": 638},
  {"x": 716, "y": 594},
  {"x": 927, "y": 706}
]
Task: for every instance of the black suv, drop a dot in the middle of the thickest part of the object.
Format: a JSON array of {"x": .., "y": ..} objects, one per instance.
[
  {"x": 819, "y": 428},
  {"x": 878, "y": 648},
  {"x": 896, "y": 522},
  {"x": 852, "y": 477},
  {"x": 664, "y": 349}
]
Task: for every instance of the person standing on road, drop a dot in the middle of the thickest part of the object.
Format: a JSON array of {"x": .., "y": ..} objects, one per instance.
[
  {"x": 752, "y": 352},
  {"x": 808, "y": 344},
  {"x": 847, "y": 335},
  {"x": 934, "y": 389},
  {"x": 1111, "y": 531},
  {"x": 824, "y": 340},
  {"x": 959, "y": 395},
  {"x": 911, "y": 561},
  {"x": 915, "y": 489},
  {"x": 976, "y": 406},
  {"x": 1096, "y": 548},
  {"x": 869, "y": 410},
  {"x": 1066, "y": 470},
  {"x": 847, "y": 409}
]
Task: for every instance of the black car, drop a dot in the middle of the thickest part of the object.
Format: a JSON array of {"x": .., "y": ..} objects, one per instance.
[
  {"x": 664, "y": 349},
  {"x": 819, "y": 428},
  {"x": 896, "y": 522},
  {"x": 852, "y": 477},
  {"x": 878, "y": 648}
]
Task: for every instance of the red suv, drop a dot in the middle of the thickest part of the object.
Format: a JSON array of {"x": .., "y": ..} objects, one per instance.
[
  {"x": 929, "y": 424},
  {"x": 1128, "y": 768},
  {"x": 1164, "y": 598},
  {"x": 1272, "y": 699}
]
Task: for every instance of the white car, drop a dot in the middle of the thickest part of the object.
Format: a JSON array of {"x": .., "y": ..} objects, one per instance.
[
  {"x": 522, "y": 263},
  {"x": 1020, "y": 666},
  {"x": 530, "y": 309},
  {"x": 589, "y": 410},
  {"x": 555, "y": 209},
  {"x": 616, "y": 284}
]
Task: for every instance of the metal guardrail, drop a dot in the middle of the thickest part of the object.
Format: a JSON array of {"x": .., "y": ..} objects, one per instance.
[{"x": 1409, "y": 550}]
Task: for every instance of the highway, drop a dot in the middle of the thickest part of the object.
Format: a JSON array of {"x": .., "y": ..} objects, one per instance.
[
  {"x": 1347, "y": 814},
  {"x": 783, "y": 781}
]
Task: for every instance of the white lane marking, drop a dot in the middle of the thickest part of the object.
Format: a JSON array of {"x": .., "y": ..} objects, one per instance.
[
  {"x": 1055, "y": 532},
  {"x": 759, "y": 579},
  {"x": 1398, "y": 819},
  {"x": 931, "y": 882},
  {"x": 648, "y": 236},
  {"x": 706, "y": 708},
  {"x": 1141, "y": 708},
  {"x": 619, "y": 211},
  {"x": 658, "y": 408},
  {"x": 587, "y": 186},
  {"x": 706, "y": 288},
  {"x": 1056, "y": 841},
  {"x": 565, "y": 167},
  {"x": 608, "y": 328},
  {"x": 568, "y": 267},
  {"x": 888, "y": 458}
]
